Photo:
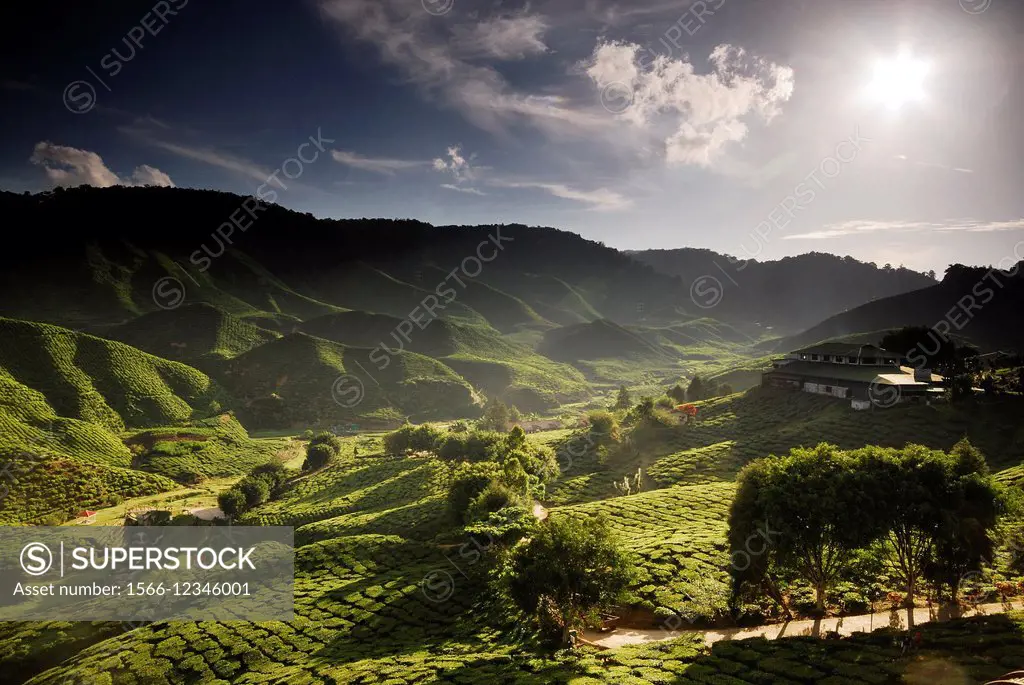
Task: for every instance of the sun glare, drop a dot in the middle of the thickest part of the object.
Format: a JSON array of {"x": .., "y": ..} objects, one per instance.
[{"x": 898, "y": 80}]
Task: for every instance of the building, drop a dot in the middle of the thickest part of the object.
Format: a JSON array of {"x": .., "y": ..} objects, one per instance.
[{"x": 864, "y": 374}]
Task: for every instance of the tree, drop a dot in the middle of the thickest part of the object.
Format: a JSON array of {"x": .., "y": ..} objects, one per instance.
[
  {"x": 468, "y": 481},
  {"x": 938, "y": 509},
  {"x": 960, "y": 387},
  {"x": 822, "y": 509},
  {"x": 327, "y": 438},
  {"x": 255, "y": 490},
  {"x": 516, "y": 439},
  {"x": 317, "y": 456},
  {"x": 274, "y": 473},
  {"x": 695, "y": 391},
  {"x": 497, "y": 416},
  {"x": 231, "y": 502},
  {"x": 622, "y": 400},
  {"x": 753, "y": 555},
  {"x": 677, "y": 393},
  {"x": 604, "y": 428},
  {"x": 568, "y": 569},
  {"x": 493, "y": 498}
]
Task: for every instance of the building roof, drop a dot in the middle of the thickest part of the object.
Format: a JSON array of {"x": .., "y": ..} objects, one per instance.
[
  {"x": 900, "y": 379},
  {"x": 845, "y": 349},
  {"x": 844, "y": 372},
  {"x": 936, "y": 378}
]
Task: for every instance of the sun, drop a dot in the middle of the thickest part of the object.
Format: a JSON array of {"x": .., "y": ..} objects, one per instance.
[{"x": 898, "y": 80}]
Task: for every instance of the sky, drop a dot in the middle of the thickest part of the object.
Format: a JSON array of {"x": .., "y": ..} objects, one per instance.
[{"x": 886, "y": 130}]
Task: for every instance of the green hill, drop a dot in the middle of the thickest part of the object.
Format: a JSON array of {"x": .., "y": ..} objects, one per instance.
[
  {"x": 101, "y": 381},
  {"x": 478, "y": 353},
  {"x": 300, "y": 380},
  {"x": 601, "y": 339},
  {"x": 193, "y": 333}
]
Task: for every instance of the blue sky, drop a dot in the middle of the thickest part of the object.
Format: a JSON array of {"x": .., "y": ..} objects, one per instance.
[{"x": 746, "y": 127}]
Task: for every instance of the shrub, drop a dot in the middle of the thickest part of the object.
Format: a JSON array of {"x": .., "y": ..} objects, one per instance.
[
  {"x": 473, "y": 446},
  {"x": 273, "y": 473},
  {"x": 506, "y": 525},
  {"x": 327, "y": 438},
  {"x": 459, "y": 426},
  {"x": 317, "y": 456},
  {"x": 567, "y": 570},
  {"x": 604, "y": 428},
  {"x": 467, "y": 484},
  {"x": 493, "y": 498},
  {"x": 231, "y": 502},
  {"x": 498, "y": 416},
  {"x": 255, "y": 490},
  {"x": 416, "y": 438}
]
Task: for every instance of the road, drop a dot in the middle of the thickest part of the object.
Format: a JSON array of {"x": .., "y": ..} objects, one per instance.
[{"x": 846, "y": 625}]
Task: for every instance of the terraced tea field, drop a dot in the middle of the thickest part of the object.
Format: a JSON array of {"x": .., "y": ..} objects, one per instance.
[{"x": 384, "y": 593}]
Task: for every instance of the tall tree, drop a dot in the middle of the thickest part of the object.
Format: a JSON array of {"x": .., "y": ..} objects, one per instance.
[
  {"x": 823, "y": 511},
  {"x": 569, "y": 568},
  {"x": 622, "y": 400}
]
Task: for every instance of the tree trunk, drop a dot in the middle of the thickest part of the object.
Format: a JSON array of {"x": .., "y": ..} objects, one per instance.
[
  {"x": 911, "y": 582},
  {"x": 772, "y": 589},
  {"x": 819, "y": 605}
]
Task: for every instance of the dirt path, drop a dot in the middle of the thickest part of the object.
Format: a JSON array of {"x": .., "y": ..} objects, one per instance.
[{"x": 846, "y": 625}]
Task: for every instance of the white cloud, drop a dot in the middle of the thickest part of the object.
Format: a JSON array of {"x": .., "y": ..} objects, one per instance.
[
  {"x": 145, "y": 175},
  {"x": 210, "y": 156},
  {"x": 503, "y": 38},
  {"x": 706, "y": 111},
  {"x": 860, "y": 227},
  {"x": 428, "y": 53},
  {"x": 598, "y": 199},
  {"x": 463, "y": 189},
  {"x": 69, "y": 166},
  {"x": 377, "y": 165},
  {"x": 455, "y": 164}
]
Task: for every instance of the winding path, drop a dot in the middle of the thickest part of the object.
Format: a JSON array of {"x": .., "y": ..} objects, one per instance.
[{"x": 844, "y": 625}]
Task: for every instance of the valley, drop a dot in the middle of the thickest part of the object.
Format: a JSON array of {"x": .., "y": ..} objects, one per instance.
[{"x": 420, "y": 442}]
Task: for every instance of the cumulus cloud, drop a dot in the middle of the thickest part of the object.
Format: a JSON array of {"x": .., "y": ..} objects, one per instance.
[
  {"x": 460, "y": 168},
  {"x": 503, "y": 38},
  {"x": 377, "y": 165},
  {"x": 69, "y": 166},
  {"x": 145, "y": 175},
  {"x": 705, "y": 111},
  {"x": 455, "y": 164}
]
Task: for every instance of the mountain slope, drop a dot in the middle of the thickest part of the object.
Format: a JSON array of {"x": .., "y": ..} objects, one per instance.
[
  {"x": 300, "y": 380},
  {"x": 978, "y": 304},
  {"x": 193, "y": 333},
  {"x": 792, "y": 293}
]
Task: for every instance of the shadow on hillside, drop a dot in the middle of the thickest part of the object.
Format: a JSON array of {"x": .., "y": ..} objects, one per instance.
[
  {"x": 418, "y": 520},
  {"x": 429, "y": 604},
  {"x": 961, "y": 653}
]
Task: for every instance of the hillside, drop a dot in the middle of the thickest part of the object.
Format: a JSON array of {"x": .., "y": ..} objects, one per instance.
[
  {"x": 196, "y": 334},
  {"x": 978, "y": 304},
  {"x": 789, "y": 294},
  {"x": 300, "y": 380},
  {"x": 370, "y": 528}
]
